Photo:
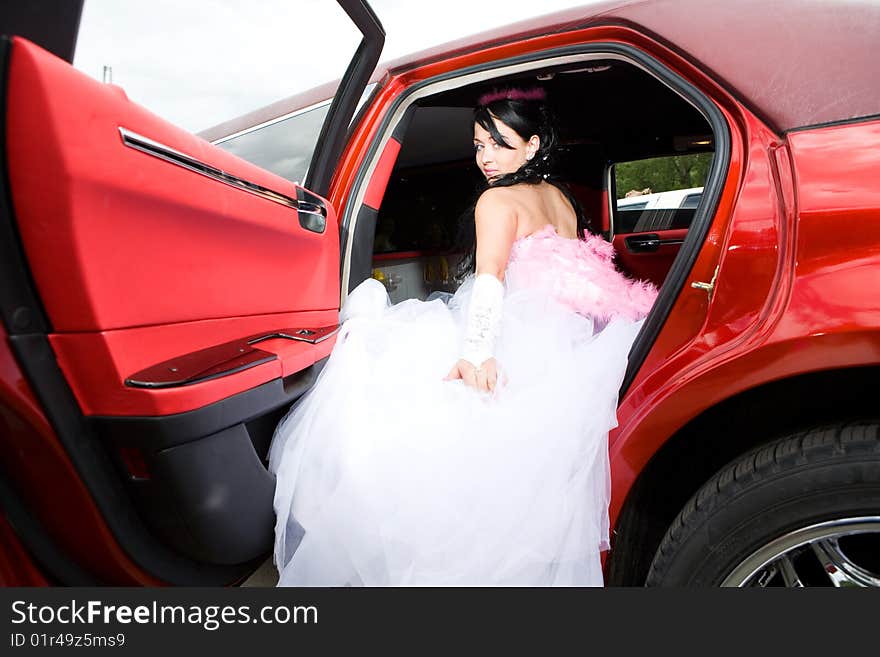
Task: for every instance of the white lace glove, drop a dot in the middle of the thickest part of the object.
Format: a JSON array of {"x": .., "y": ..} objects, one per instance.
[{"x": 483, "y": 320}]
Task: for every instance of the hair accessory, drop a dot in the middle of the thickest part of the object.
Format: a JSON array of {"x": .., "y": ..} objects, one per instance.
[{"x": 535, "y": 93}]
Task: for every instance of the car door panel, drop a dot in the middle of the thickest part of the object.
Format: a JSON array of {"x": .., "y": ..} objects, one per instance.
[
  {"x": 651, "y": 264},
  {"x": 126, "y": 239},
  {"x": 138, "y": 259},
  {"x": 147, "y": 246},
  {"x": 97, "y": 364}
]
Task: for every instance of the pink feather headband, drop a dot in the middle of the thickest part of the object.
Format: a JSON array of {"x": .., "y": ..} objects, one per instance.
[{"x": 535, "y": 93}]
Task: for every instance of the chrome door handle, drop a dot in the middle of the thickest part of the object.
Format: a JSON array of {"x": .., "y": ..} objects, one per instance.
[{"x": 643, "y": 243}]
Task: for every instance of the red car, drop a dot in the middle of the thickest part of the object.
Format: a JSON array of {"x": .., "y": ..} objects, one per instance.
[{"x": 165, "y": 299}]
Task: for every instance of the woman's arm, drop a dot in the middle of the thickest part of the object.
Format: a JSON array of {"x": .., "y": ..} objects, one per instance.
[{"x": 496, "y": 224}]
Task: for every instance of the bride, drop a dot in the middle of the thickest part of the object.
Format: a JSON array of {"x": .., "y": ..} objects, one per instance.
[{"x": 395, "y": 470}]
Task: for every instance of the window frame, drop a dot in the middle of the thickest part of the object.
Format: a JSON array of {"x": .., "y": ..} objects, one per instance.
[{"x": 586, "y": 51}]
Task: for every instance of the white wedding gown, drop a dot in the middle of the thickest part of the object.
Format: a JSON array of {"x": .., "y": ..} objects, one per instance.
[{"x": 389, "y": 475}]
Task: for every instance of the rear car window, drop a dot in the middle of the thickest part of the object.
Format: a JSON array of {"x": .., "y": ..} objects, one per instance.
[{"x": 658, "y": 193}]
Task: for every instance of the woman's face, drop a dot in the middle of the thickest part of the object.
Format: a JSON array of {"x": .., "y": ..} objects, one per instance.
[{"x": 495, "y": 160}]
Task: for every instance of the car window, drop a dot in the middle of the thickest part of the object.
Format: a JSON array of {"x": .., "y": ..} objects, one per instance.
[
  {"x": 283, "y": 146},
  {"x": 658, "y": 193}
]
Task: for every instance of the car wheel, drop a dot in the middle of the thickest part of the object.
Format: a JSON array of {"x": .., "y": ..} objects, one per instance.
[{"x": 802, "y": 511}]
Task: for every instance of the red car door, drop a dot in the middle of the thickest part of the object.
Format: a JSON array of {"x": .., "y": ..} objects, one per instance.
[{"x": 165, "y": 301}]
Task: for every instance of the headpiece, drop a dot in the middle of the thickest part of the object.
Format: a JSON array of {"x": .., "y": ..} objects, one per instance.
[{"x": 535, "y": 93}]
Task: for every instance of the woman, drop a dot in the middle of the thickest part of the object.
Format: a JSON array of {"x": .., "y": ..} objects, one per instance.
[{"x": 390, "y": 473}]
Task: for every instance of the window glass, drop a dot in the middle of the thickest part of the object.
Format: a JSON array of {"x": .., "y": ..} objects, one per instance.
[
  {"x": 659, "y": 193},
  {"x": 283, "y": 147}
]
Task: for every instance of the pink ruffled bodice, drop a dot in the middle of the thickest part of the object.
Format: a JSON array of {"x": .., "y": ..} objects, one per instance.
[{"x": 579, "y": 274}]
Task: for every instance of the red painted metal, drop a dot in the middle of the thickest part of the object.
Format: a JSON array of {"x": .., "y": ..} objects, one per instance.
[
  {"x": 795, "y": 238},
  {"x": 708, "y": 352},
  {"x": 825, "y": 51},
  {"x": 798, "y": 290}
]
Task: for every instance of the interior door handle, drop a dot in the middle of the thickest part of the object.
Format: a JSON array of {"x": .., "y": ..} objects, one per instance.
[
  {"x": 643, "y": 243},
  {"x": 221, "y": 360}
]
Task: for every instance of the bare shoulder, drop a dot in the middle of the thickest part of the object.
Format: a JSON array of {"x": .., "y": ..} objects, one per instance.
[{"x": 498, "y": 201}]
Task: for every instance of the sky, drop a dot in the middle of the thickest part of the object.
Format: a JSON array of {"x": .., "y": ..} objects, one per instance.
[{"x": 201, "y": 62}]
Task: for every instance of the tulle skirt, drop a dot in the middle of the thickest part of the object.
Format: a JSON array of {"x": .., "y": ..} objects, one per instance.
[{"x": 387, "y": 475}]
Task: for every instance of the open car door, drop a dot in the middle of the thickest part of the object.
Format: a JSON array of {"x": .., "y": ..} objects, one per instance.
[{"x": 165, "y": 302}]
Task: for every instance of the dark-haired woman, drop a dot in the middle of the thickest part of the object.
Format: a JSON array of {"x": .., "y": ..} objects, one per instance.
[{"x": 397, "y": 470}]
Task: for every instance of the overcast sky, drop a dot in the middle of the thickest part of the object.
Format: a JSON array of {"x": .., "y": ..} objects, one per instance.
[{"x": 201, "y": 62}]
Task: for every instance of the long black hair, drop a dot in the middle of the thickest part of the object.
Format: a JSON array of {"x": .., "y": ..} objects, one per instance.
[{"x": 526, "y": 114}]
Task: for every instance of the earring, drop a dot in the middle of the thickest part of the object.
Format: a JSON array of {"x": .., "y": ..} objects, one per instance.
[{"x": 530, "y": 156}]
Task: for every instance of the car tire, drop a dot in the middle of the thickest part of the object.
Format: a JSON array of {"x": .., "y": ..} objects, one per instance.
[{"x": 801, "y": 511}]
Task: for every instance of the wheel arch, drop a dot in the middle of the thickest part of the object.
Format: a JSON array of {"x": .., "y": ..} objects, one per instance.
[{"x": 716, "y": 436}]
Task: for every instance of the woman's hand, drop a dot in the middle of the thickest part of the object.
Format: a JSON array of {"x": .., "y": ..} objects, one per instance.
[{"x": 482, "y": 378}]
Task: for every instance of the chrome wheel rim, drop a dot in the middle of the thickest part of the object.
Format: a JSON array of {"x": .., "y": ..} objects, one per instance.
[{"x": 840, "y": 553}]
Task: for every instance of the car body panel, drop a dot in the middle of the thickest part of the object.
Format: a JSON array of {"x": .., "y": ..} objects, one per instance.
[
  {"x": 227, "y": 263},
  {"x": 822, "y": 312},
  {"x": 684, "y": 345},
  {"x": 834, "y": 41},
  {"x": 792, "y": 249},
  {"x": 97, "y": 364}
]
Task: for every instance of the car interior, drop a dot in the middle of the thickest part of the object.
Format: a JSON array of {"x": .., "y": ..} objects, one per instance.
[{"x": 608, "y": 112}]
